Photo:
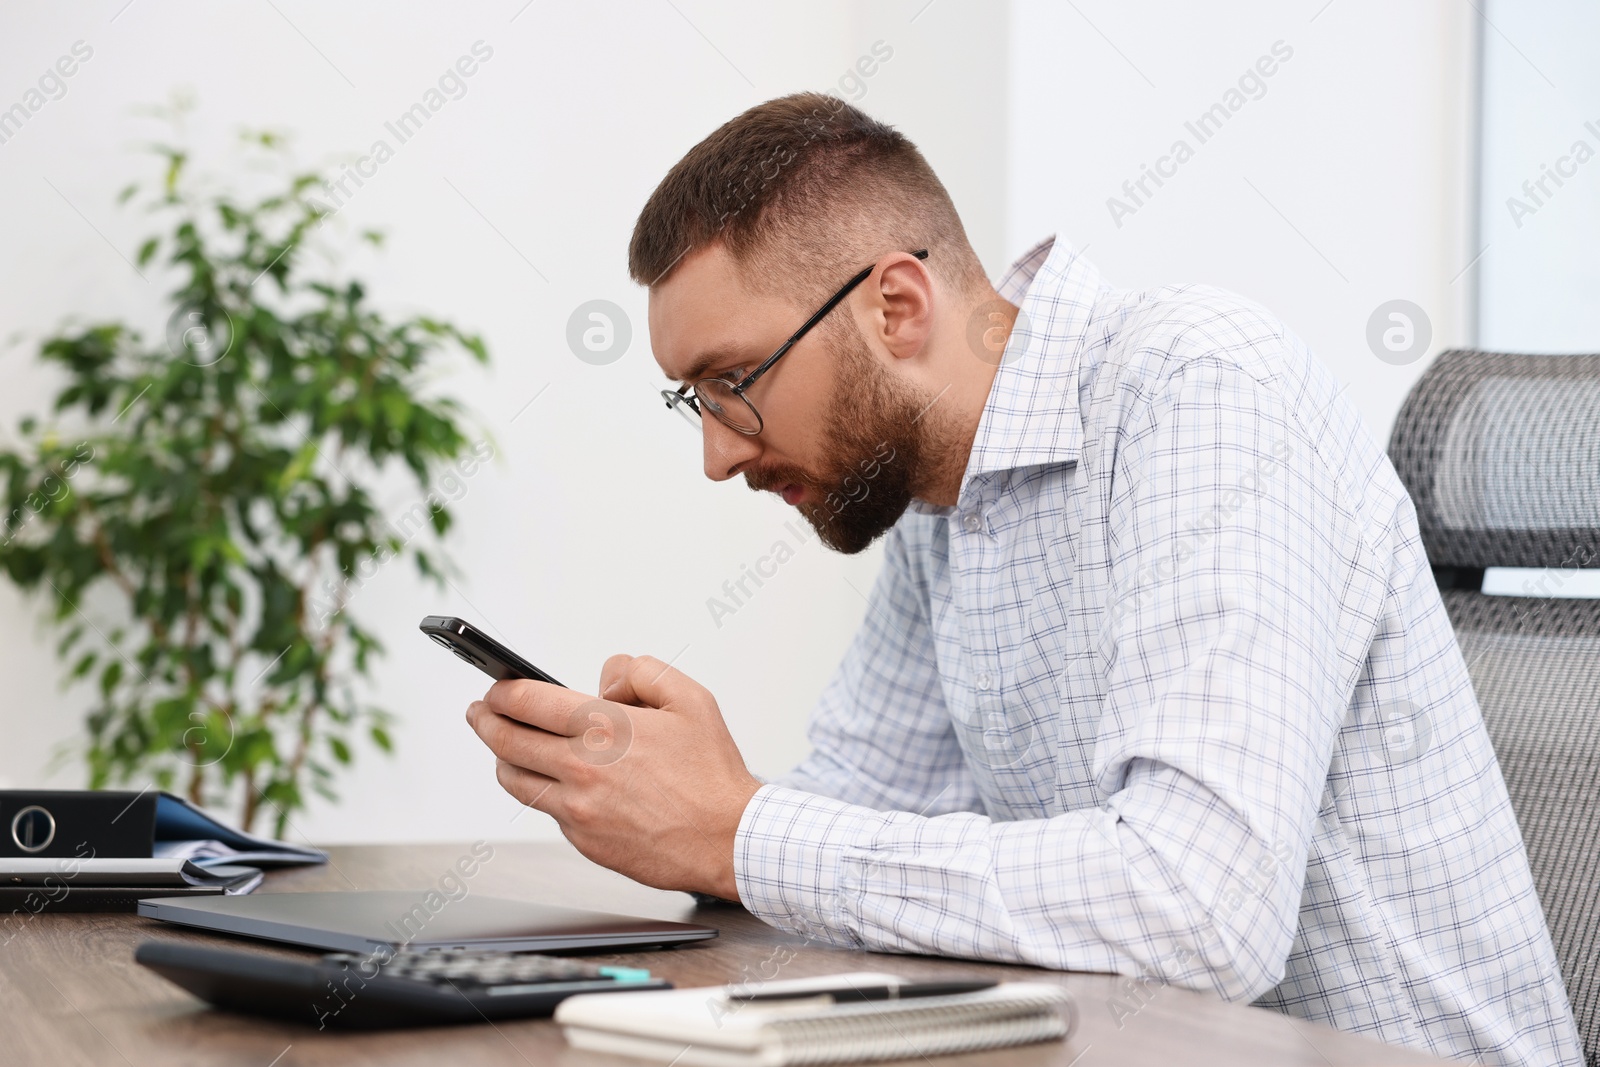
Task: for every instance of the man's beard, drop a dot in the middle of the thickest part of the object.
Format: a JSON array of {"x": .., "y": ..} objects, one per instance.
[{"x": 875, "y": 447}]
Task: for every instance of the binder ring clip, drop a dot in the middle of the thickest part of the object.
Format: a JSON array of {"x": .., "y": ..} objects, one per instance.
[{"x": 33, "y": 829}]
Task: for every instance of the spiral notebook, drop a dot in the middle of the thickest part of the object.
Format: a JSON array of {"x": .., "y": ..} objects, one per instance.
[{"x": 703, "y": 1028}]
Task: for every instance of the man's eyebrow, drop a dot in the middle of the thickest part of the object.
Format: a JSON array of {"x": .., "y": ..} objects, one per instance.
[{"x": 708, "y": 359}]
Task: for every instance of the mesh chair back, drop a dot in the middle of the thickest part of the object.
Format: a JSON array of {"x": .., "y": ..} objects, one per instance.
[{"x": 1501, "y": 455}]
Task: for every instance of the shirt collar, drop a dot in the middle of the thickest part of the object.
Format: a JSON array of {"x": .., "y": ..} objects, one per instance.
[{"x": 1032, "y": 415}]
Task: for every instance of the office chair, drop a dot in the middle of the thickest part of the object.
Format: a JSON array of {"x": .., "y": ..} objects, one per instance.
[{"x": 1501, "y": 455}]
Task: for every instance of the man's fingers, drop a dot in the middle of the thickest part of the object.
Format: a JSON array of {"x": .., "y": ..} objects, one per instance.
[
  {"x": 539, "y": 704},
  {"x": 648, "y": 682},
  {"x": 537, "y": 750},
  {"x": 532, "y": 789},
  {"x": 614, "y": 668}
]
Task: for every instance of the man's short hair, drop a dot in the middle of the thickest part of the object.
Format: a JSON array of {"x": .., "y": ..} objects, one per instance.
[{"x": 803, "y": 191}]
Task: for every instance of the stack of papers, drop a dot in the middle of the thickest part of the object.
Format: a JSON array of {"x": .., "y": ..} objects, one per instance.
[
  {"x": 210, "y": 853},
  {"x": 70, "y": 883},
  {"x": 183, "y": 831}
]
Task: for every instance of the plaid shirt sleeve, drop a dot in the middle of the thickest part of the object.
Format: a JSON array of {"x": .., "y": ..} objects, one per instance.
[
  {"x": 881, "y": 737},
  {"x": 1230, "y": 643}
]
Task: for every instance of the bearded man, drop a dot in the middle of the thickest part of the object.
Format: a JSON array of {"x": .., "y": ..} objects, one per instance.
[{"x": 1125, "y": 695}]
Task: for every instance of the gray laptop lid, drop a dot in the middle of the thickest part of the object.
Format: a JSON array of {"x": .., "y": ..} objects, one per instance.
[{"x": 360, "y": 921}]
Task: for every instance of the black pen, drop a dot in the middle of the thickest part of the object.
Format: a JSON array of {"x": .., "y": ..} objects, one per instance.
[{"x": 900, "y": 991}]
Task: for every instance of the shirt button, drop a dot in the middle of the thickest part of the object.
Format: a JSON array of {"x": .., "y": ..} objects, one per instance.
[
  {"x": 972, "y": 522},
  {"x": 985, "y": 680}
]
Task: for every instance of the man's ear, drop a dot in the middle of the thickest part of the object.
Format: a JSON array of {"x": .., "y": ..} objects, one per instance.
[{"x": 902, "y": 309}]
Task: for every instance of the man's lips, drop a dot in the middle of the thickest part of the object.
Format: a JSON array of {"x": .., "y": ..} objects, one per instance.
[{"x": 789, "y": 492}]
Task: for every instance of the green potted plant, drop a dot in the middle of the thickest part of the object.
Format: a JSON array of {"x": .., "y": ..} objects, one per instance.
[{"x": 198, "y": 512}]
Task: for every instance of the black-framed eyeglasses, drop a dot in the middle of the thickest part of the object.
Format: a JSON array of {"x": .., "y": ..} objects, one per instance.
[{"x": 727, "y": 400}]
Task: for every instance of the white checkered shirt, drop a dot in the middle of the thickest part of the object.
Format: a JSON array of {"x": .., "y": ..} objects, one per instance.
[{"x": 1170, "y": 692}]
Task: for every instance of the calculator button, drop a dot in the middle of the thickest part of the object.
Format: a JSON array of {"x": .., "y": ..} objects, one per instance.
[{"x": 498, "y": 973}]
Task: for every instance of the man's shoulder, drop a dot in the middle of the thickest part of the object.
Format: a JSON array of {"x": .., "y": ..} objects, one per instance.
[
  {"x": 1158, "y": 344},
  {"x": 1201, "y": 340},
  {"x": 1166, "y": 330}
]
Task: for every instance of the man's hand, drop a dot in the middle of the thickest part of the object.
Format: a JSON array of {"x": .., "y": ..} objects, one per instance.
[{"x": 647, "y": 781}]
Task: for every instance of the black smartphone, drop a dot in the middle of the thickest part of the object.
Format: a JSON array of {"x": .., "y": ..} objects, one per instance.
[{"x": 479, "y": 649}]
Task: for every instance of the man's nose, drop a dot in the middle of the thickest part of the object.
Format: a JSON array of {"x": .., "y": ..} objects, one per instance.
[{"x": 726, "y": 450}]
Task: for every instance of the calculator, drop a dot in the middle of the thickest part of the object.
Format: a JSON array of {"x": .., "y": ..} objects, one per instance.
[{"x": 346, "y": 990}]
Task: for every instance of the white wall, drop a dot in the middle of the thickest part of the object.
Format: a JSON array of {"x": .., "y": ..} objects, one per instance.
[
  {"x": 1541, "y": 94},
  {"x": 1342, "y": 187},
  {"x": 595, "y": 533}
]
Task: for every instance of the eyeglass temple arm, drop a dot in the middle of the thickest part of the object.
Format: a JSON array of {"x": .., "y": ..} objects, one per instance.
[
  {"x": 680, "y": 395},
  {"x": 833, "y": 302}
]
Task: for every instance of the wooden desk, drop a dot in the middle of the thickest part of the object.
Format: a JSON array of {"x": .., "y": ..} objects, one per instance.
[{"x": 70, "y": 992}]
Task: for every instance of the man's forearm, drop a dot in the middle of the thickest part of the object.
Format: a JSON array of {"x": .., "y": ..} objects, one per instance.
[{"x": 1080, "y": 891}]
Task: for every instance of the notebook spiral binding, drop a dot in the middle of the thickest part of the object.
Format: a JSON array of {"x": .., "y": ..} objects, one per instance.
[{"x": 886, "y": 1030}]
